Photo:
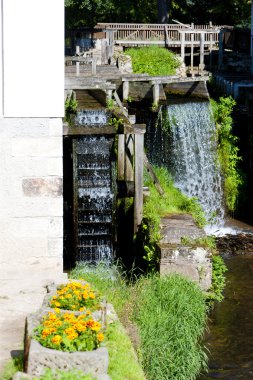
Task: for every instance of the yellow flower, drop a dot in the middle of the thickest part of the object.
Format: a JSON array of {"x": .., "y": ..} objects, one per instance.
[
  {"x": 72, "y": 336},
  {"x": 92, "y": 296},
  {"x": 85, "y": 295},
  {"x": 100, "y": 337},
  {"x": 82, "y": 309},
  {"x": 57, "y": 310},
  {"x": 56, "y": 339}
]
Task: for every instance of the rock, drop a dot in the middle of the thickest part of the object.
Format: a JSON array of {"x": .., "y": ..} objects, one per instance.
[
  {"x": 239, "y": 244},
  {"x": 189, "y": 260}
]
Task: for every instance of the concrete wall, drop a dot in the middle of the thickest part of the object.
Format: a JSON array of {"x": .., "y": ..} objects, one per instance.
[{"x": 31, "y": 111}]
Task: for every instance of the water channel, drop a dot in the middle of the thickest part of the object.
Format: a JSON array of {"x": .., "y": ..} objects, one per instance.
[{"x": 230, "y": 336}]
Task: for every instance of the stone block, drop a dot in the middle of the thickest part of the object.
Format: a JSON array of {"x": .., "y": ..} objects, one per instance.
[
  {"x": 193, "y": 263},
  {"x": 55, "y": 127},
  {"x": 55, "y": 246},
  {"x": 37, "y": 147},
  {"x": 189, "y": 260},
  {"x": 90, "y": 362},
  {"x": 42, "y": 187}
]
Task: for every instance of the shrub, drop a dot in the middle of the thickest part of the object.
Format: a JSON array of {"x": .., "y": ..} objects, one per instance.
[
  {"x": 153, "y": 60},
  {"x": 228, "y": 152}
]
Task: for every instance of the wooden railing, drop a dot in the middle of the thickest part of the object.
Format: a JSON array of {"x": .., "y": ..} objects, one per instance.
[{"x": 161, "y": 33}]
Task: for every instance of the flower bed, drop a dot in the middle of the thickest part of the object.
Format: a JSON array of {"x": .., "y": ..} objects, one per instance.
[{"x": 64, "y": 334}]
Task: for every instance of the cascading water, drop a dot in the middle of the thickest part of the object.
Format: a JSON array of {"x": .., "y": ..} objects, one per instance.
[
  {"x": 93, "y": 192},
  {"x": 185, "y": 140}
]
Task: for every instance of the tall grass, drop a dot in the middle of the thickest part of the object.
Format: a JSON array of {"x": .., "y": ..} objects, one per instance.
[{"x": 171, "y": 316}]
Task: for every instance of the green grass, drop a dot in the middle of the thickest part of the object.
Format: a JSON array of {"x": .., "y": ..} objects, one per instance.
[
  {"x": 12, "y": 366},
  {"x": 171, "y": 316},
  {"x": 153, "y": 60},
  {"x": 171, "y": 319},
  {"x": 123, "y": 363}
]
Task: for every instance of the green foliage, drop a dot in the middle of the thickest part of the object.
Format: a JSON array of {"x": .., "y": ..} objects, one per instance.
[
  {"x": 228, "y": 152},
  {"x": 171, "y": 317},
  {"x": 70, "y": 108},
  {"x": 68, "y": 375},
  {"x": 122, "y": 362},
  {"x": 106, "y": 280},
  {"x": 157, "y": 206},
  {"x": 205, "y": 241},
  {"x": 12, "y": 366},
  {"x": 116, "y": 122},
  {"x": 153, "y": 60},
  {"x": 218, "y": 280}
]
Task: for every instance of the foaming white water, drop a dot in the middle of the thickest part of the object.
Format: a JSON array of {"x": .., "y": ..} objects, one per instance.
[{"x": 194, "y": 162}]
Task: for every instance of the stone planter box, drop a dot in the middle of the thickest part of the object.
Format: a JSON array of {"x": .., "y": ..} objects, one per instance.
[{"x": 90, "y": 362}]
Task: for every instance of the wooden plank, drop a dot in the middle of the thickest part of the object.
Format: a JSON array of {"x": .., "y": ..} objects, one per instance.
[
  {"x": 121, "y": 157},
  {"x": 138, "y": 198},
  {"x": 152, "y": 174}
]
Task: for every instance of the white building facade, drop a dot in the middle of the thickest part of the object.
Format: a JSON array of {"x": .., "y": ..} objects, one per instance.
[{"x": 31, "y": 112}]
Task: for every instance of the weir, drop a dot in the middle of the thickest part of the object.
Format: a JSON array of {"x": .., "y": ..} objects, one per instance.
[{"x": 183, "y": 140}]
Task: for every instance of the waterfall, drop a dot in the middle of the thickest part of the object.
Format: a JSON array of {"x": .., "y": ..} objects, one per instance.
[
  {"x": 184, "y": 141},
  {"x": 93, "y": 191}
]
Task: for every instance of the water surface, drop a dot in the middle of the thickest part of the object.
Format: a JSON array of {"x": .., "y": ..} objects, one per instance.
[{"x": 230, "y": 337}]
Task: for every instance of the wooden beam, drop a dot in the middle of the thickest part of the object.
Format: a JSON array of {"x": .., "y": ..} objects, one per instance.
[
  {"x": 138, "y": 198},
  {"x": 121, "y": 157}
]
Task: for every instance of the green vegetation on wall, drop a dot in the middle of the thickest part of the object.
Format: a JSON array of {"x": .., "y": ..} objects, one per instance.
[
  {"x": 227, "y": 149},
  {"x": 153, "y": 60},
  {"x": 157, "y": 206}
]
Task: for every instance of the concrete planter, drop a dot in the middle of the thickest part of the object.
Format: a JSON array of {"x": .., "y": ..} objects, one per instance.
[{"x": 90, "y": 362}]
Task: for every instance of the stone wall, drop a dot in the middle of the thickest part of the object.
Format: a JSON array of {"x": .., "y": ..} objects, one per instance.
[{"x": 31, "y": 226}]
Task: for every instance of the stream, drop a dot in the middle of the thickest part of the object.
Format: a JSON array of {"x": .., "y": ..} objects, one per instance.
[{"x": 230, "y": 336}]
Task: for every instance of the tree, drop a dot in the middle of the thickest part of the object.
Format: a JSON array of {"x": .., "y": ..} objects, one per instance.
[{"x": 162, "y": 6}]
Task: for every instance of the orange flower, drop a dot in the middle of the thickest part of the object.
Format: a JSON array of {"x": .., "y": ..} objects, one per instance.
[
  {"x": 56, "y": 339},
  {"x": 72, "y": 336},
  {"x": 100, "y": 337}
]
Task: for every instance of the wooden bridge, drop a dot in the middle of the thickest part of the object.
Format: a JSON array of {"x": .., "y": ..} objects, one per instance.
[{"x": 160, "y": 34}]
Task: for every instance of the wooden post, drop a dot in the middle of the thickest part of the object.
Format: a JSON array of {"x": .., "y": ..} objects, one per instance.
[
  {"x": 201, "y": 58},
  {"x": 156, "y": 94},
  {"x": 182, "y": 39},
  {"x": 125, "y": 90},
  {"x": 77, "y": 68},
  {"x": 211, "y": 47},
  {"x": 138, "y": 175},
  {"x": 94, "y": 66},
  {"x": 77, "y": 50},
  {"x": 192, "y": 50},
  {"x": 129, "y": 159},
  {"x": 121, "y": 157}
]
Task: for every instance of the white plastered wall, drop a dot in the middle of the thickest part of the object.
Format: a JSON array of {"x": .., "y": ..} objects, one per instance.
[{"x": 31, "y": 111}]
